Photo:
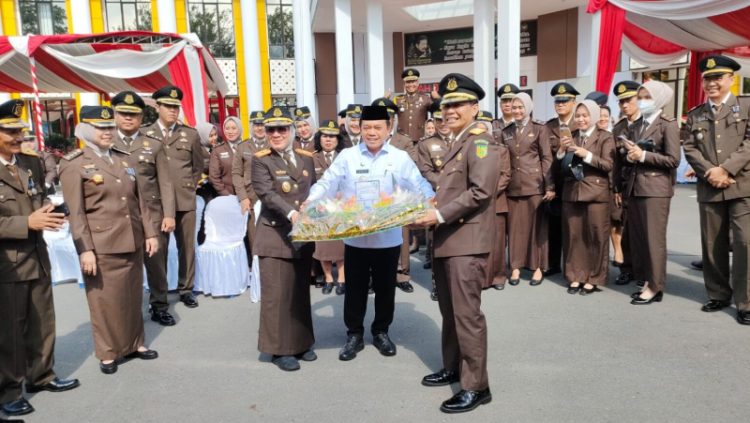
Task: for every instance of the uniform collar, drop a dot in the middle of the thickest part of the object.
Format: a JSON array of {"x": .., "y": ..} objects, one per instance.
[
  {"x": 11, "y": 162},
  {"x": 723, "y": 101}
]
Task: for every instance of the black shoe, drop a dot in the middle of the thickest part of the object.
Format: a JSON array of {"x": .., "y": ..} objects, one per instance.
[
  {"x": 714, "y": 305},
  {"x": 354, "y": 344},
  {"x": 286, "y": 363},
  {"x": 55, "y": 385},
  {"x": 340, "y": 288},
  {"x": 636, "y": 294},
  {"x": 641, "y": 283},
  {"x": 588, "y": 291},
  {"x": 189, "y": 300},
  {"x": 642, "y": 301},
  {"x": 308, "y": 355},
  {"x": 572, "y": 290},
  {"x": 405, "y": 286},
  {"x": 441, "y": 378},
  {"x": 697, "y": 264},
  {"x": 427, "y": 265},
  {"x": 18, "y": 407},
  {"x": 624, "y": 278},
  {"x": 536, "y": 282},
  {"x": 163, "y": 318},
  {"x": 498, "y": 286},
  {"x": 433, "y": 295},
  {"x": 617, "y": 263},
  {"x": 327, "y": 288},
  {"x": 551, "y": 272},
  {"x": 143, "y": 355},
  {"x": 465, "y": 401},
  {"x": 514, "y": 282},
  {"x": 384, "y": 344},
  {"x": 108, "y": 369},
  {"x": 414, "y": 249},
  {"x": 743, "y": 317}
]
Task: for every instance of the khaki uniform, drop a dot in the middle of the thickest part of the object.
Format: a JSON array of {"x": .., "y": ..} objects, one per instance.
[
  {"x": 106, "y": 217},
  {"x": 498, "y": 262},
  {"x": 285, "y": 313},
  {"x": 27, "y": 313},
  {"x": 243, "y": 186},
  {"x": 220, "y": 169},
  {"x": 412, "y": 113},
  {"x": 151, "y": 166},
  {"x": 430, "y": 156},
  {"x": 723, "y": 139},
  {"x": 186, "y": 164},
  {"x": 465, "y": 198},
  {"x": 308, "y": 145},
  {"x": 50, "y": 167}
]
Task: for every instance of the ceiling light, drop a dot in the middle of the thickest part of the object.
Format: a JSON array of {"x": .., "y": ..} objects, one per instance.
[{"x": 441, "y": 10}]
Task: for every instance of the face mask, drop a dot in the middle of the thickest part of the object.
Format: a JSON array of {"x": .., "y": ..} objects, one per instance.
[{"x": 647, "y": 107}]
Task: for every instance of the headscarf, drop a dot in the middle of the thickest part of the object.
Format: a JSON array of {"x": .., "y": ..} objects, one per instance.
[
  {"x": 87, "y": 133},
  {"x": 593, "y": 109},
  {"x": 528, "y": 105},
  {"x": 204, "y": 130},
  {"x": 237, "y": 122},
  {"x": 660, "y": 92}
]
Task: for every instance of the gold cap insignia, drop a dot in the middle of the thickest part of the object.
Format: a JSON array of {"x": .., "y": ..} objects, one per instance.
[
  {"x": 259, "y": 115},
  {"x": 561, "y": 89},
  {"x": 97, "y": 179},
  {"x": 173, "y": 93},
  {"x": 507, "y": 89},
  {"x": 621, "y": 88},
  {"x": 129, "y": 99},
  {"x": 711, "y": 63},
  {"x": 452, "y": 84},
  {"x": 410, "y": 73},
  {"x": 299, "y": 112},
  {"x": 357, "y": 110},
  {"x": 18, "y": 109},
  {"x": 381, "y": 103},
  {"x": 106, "y": 114},
  {"x": 331, "y": 125},
  {"x": 277, "y": 112}
]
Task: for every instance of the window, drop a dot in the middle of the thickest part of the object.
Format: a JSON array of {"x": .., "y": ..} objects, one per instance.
[
  {"x": 43, "y": 17},
  {"x": 280, "y": 29},
  {"x": 128, "y": 15},
  {"x": 213, "y": 22}
]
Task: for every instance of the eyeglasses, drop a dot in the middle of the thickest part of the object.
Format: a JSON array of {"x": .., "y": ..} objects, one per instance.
[{"x": 279, "y": 129}]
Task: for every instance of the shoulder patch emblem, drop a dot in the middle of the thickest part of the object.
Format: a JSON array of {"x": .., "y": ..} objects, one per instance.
[
  {"x": 303, "y": 152},
  {"x": 478, "y": 130},
  {"x": 263, "y": 153},
  {"x": 482, "y": 148},
  {"x": 73, "y": 154}
]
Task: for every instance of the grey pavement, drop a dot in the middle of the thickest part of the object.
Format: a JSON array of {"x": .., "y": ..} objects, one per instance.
[{"x": 554, "y": 357}]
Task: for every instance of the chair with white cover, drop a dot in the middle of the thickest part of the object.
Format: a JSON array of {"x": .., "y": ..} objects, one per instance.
[
  {"x": 221, "y": 266},
  {"x": 63, "y": 256}
]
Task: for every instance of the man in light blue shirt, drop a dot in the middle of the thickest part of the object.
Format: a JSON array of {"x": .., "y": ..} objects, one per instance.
[{"x": 365, "y": 171}]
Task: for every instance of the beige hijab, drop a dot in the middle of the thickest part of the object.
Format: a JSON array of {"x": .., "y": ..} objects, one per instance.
[
  {"x": 528, "y": 105},
  {"x": 660, "y": 92}
]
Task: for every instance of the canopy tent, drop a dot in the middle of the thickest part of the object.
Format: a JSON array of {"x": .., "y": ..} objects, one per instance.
[
  {"x": 658, "y": 33},
  {"x": 109, "y": 63}
]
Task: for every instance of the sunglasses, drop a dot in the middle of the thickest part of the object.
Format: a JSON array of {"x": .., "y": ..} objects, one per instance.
[{"x": 279, "y": 129}]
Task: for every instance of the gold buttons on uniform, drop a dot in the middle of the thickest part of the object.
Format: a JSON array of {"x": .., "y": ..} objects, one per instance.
[
  {"x": 128, "y": 216},
  {"x": 273, "y": 222},
  {"x": 461, "y": 220},
  {"x": 718, "y": 151},
  {"x": 118, "y": 181},
  {"x": 718, "y": 136},
  {"x": 123, "y": 198}
]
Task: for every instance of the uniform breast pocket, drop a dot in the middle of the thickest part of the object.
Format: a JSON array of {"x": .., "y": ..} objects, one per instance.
[
  {"x": 184, "y": 151},
  {"x": 740, "y": 126},
  {"x": 8, "y": 203}
]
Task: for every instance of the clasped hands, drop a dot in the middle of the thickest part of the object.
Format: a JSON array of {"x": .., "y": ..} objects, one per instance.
[
  {"x": 566, "y": 144},
  {"x": 718, "y": 177}
]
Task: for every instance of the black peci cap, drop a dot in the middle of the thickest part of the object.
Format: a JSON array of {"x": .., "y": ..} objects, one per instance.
[{"x": 375, "y": 113}]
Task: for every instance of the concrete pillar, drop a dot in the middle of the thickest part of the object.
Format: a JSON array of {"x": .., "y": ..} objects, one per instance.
[
  {"x": 251, "y": 52},
  {"x": 82, "y": 25},
  {"x": 167, "y": 16},
  {"x": 508, "y": 41},
  {"x": 344, "y": 60},
  {"x": 375, "y": 49},
  {"x": 304, "y": 55},
  {"x": 484, "y": 34}
]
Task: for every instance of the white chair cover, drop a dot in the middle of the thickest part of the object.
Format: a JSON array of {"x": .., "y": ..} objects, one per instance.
[
  {"x": 255, "y": 276},
  {"x": 63, "y": 255},
  {"x": 221, "y": 267}
]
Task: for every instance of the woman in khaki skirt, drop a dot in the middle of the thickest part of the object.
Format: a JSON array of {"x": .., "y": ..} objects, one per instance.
[
  {"x": 106, "y": 221},
  {"x": 587, "y": 160},
  {"x": 531, "y": 184},
  {"x": 328, "y": 144}
]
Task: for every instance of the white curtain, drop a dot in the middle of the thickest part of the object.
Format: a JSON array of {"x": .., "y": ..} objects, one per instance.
[
  {"x": 650, "y": 59},
  {"x": 680, "y": 9}
]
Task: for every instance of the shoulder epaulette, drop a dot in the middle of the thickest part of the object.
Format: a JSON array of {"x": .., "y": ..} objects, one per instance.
[
  {"x": 551, "y": 120},
  {"x": 28, "y": 152},
  {"x": 73, "y": 154},
  {"x": 150, "y": 133},
  {"x": 691, "y": 110},
  {"x": 120, "y": 150},
  {"x": 478, "y": 130},
  {"x": 304, "y": 152},
  {"x": 262, "y": 153},
  {"x": 538, "y": 122}
]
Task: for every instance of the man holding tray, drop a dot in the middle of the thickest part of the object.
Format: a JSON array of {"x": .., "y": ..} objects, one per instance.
[{"x": 367, "y": 171}]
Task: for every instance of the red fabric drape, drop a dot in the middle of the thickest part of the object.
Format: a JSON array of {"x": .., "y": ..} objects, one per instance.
[
  {"x": 649, "y": 42},
  {"x": 180, "y": 74},
  {"x": 735, "y": 22},
  {"x": 610, "y": 40},
  {"x": 595, "y": 6}
]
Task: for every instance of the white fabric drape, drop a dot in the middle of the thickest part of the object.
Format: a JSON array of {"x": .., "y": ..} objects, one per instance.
[
  {"x": 650, "y": 59},
  {"x": 680, "y": 9},
  {"x": 700, "y": 34},
  {"x": 194, "y": 67}
]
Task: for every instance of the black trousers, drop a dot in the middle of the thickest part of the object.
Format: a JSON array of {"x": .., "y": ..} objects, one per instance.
[{"x": 361, "y": 263}]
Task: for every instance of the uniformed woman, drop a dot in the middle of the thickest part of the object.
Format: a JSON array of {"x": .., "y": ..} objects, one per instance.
[
  {"x": 220, "y": 163},
  {"x": 587, "y": 160},
  {"x": 106, "y": 216},
  {"x": 328, "y": 144},
  {"x": 305, "y": 129},
  {"x": 282, "y": 177},
  {"x": 531, "y": 184},
  {"x": 655, "y": 157}
]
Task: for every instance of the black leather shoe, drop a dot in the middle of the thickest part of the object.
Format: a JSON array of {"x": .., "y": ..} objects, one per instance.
[
  {"x": 433, "y": 295},
  {"x": 641, "y": 283},
  {"x": 308, "y": 355},
  {"x": 189, "y": 300},
  {"x": 163, "y": 318},
  {"x": 714, "y": 305},
  {"x": 108, "y": 369},
  {"x": 427, "y": 265},
  {"x": 624, "y": 278},
  {"x": 551, "y": 272},
  {"x": 572, "y": 290},
  {"x": 340, "y": 288},
  {"x": 384, "y": 344},
  {"x": 514, "y": 282},
  {"x": 143, "y": 355},
  {"x": 499, "y": 286},
  {"x": 441, "y": 378},
  {"x": 536, "y": 282},
  {"x": 697, "y": 264},
  {"x": 18, "y": 407},
  {"x": 588, "y": 291},
  {"x": 405, "y": 286},
  {"x": 55, "y": 385},
  {"x": 743, "y": 317},
  {"x": 465, "y": 401},
  {"x": 286, "y": 363},
  {"x": 354, "y": 344},
  {"x": 327, "y": 288},
  {"x": 642, "y": 301},
  {"x": 617, "y": 263}
]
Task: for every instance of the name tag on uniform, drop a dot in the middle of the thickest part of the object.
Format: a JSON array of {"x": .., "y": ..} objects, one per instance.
[
  {"x": 247, "y": 154},
  {"x": 362, "y": 171},
  {"x": 147, "y": 151},
  {"x": 224, "y": 155}
]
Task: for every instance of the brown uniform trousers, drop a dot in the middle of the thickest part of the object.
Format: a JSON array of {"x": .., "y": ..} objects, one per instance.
[
  {"x": 531, "y": 164},
  {"x": 185, "y": 156},
  {"x": 27, "y": 313},
  {"x": 723, "y": 139},
  {"x": 650, "y": 188},
  {"x": 586, "y": 223},
  {"x": 220, "y": 169},
  {"x": 412, "y": 113},
  {"x": 430, "y": 155},
  {"x": 403, "y": 142},
  {"x": 620, "y": 173},
  {"x": 554, "y": 207},
  {"x": 107, "y": 217},
  {"x": 465, "y": 198},
  {"x": 308, "y": 145},
  {"x": 151, "y": 166},
  {"x": 285, "y": 313},
  {"x": 498, "y": 273}
]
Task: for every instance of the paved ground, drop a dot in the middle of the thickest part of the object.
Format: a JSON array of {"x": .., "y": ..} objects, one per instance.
[{"x": 554, "y": 358}]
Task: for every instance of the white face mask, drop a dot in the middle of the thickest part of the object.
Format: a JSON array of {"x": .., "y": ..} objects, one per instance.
[{"x": 647, "y": 107}]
